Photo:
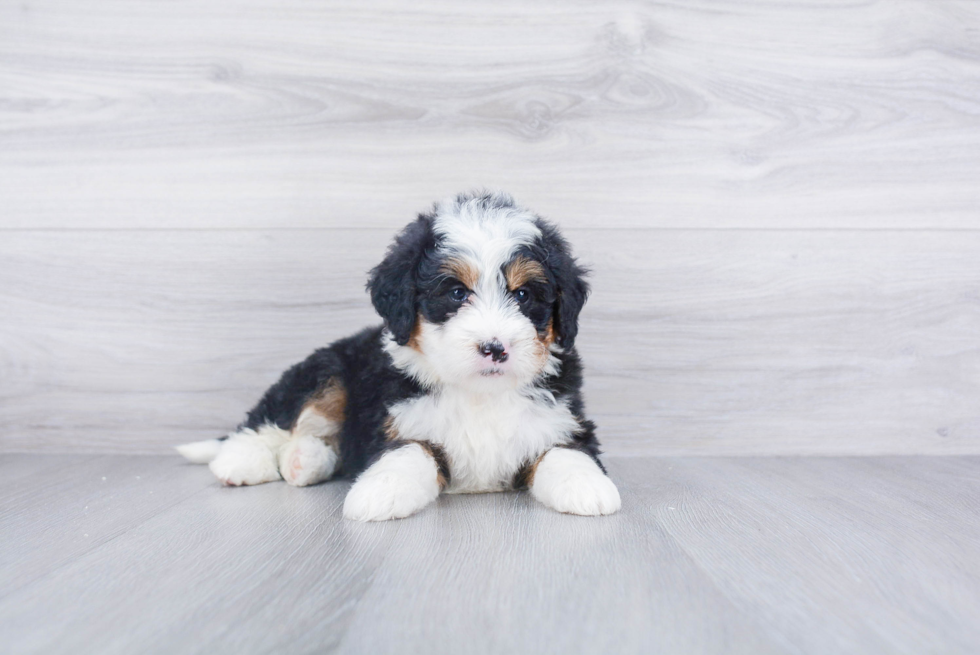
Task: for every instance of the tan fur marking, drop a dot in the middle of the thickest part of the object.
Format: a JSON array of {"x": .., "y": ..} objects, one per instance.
[
  {"x": 427, "y": 447},
  {"x": 462, "y": 270},
  {"x": 415, "y": 338},
  {"x": 391, "y": 433},
  {"x": 543, "y": 343},
  {"x": 523, "y": 270},
  {"x": 534, "y": 469},
  {"x": 329, "y": 404},
  {"x": 549, "y": 333}
]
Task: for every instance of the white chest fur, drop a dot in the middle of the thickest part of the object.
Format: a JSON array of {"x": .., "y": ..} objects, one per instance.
[{"x": 486, "y": 437}]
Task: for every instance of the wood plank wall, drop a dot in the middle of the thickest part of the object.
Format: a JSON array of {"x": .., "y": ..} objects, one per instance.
[{"x": 780, "y": 202}]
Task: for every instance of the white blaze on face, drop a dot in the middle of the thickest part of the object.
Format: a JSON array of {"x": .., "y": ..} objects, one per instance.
[
  {"x": 487, "y": 237},
  {"x": 484, "y": 239}
]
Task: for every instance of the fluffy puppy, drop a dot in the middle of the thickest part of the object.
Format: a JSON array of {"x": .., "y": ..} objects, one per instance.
[{"x": 471, "y": 385}]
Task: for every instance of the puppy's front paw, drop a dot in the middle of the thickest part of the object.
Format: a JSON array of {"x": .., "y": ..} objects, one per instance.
[
  {"x": 306, "y": 460},
  {"x": 399, "y": 484},
  {"x": 569, "y": 481},
  {"x": 245, "y": 458}
]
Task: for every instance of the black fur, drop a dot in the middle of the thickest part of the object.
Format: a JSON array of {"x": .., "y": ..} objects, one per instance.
[
  {"x": 394, "y": 282},
  {"x": 567, "y": 386},
  {"x": 571, "y": 289},
  {"x": 541, "y": 303},
  {"x": 372, "y": 384},
  {"x": 408, "y": 282},
  {"x": 433, "y": 290}
]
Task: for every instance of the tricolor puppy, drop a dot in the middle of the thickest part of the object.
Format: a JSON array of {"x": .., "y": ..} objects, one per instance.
[{"x": 472, "y": 384}]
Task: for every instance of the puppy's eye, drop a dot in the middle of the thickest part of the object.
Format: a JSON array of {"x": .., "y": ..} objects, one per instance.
[
  {"x": 459, "y": 294},
  {"x": 522, "y": 295}
]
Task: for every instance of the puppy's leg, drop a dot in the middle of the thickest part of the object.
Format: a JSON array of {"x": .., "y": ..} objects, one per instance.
[
  {"x": 570, "y": 481},
  {"x": 249, "y": 456},
  {"x": 306, "y": 460},
  {"x": 311, "y": 455},
  {"x": 399, "y": 484}
]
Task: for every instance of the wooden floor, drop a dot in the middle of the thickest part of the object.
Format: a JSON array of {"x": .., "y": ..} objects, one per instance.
[{"x": 145, "y": 554}]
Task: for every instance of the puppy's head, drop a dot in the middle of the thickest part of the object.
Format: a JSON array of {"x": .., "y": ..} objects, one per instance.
[{"x": 479, "y": 293}]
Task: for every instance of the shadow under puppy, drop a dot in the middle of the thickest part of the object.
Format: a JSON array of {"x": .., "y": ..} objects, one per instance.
[{"x": 472, "y": 385}]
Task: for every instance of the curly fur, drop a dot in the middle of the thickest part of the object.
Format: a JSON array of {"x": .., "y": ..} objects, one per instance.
[{"x": 472, "y": 383}]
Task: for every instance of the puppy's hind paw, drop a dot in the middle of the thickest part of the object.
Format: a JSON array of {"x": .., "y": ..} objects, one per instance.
[
  {"x": 246, "y": 458},
  {"x": 306, "y": 460}
]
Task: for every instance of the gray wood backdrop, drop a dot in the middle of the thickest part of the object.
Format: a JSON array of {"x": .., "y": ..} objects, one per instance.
[{"x": 780, "y": 201}]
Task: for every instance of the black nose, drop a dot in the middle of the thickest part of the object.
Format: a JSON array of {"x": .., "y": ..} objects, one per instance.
[{"x": 493, "y": 349}]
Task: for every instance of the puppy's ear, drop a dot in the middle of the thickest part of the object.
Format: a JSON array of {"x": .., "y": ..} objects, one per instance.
[
  {"x": 394, "y": 282},
  {"x": 572, "y": 289}
]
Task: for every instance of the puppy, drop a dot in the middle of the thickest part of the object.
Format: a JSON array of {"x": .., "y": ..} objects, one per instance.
[{"x": 471, "y": 385}]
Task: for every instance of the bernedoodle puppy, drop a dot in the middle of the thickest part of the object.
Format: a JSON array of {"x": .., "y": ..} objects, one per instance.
[{"x": 471, "y": 385}]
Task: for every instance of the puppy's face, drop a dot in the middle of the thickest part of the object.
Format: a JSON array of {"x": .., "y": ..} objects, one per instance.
[
  {"x": 485, "y": 321},
  {"x": 479, "y": 294}
]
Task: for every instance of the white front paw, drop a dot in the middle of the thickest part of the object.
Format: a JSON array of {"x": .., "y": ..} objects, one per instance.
[
  {"x": 399, "y": 484},
  {"x": 306, "y": 460},
  {"x": 569, "y": 481}
]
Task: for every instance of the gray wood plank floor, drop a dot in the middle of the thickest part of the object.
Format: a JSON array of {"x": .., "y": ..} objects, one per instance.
[{"x": 124, "y": 554}]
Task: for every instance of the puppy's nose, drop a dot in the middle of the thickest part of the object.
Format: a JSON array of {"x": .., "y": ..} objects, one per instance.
[{"x": 493, "y": 349}]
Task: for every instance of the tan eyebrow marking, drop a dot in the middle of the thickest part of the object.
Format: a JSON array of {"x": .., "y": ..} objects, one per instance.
[
  {"x": 462, "y": 270},
  {"x": 523, "y": 270}
]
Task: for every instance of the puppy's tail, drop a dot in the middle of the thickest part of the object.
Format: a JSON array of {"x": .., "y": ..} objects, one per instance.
[{"x": 201, "y": 452}]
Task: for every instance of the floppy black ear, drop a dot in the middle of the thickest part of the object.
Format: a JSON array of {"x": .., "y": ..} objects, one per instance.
[
  {"x": 394, "y": 282},
  {"x": 572, "y": 289}
]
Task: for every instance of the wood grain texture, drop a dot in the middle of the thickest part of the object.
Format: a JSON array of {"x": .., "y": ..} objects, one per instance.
[
  {"x": 624, "y": 113},
  {"x": 694, "y": 341},
  {"x": 72, "y": 505},
  {"x": 779, "y": 200},
  {"x": 709, "y": 555}
]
